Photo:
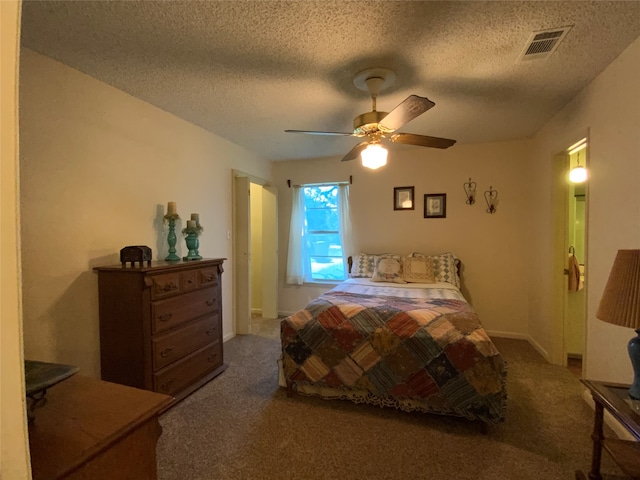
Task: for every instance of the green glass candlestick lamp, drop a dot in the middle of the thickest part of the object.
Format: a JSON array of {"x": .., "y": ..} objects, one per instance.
[
  {"x": 191, "y": 233},
  {"x": 170, "y": 218}
]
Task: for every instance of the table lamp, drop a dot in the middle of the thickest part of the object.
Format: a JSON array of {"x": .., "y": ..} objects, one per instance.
[{"x": 620, "y": 305}]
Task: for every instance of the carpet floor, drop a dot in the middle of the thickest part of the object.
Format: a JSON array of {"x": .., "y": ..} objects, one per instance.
[{"x": 241, "y": 425}]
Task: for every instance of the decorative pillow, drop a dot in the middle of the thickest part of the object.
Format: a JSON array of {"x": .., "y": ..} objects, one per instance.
[
  {"x": 418, "y": 269},
  {"x": 445, "y": 267},
  {"x": 363, "y": 265},
  {"x": 388, "y": 268}
]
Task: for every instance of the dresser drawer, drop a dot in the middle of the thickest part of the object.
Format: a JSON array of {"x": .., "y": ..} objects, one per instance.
[
  {"x": 172, "y": 346},
  {"x": 189, "y": 280},
  {"x": 208, "y": 277},
  {"x": 177, "y": 376},
  {"x": 170, "y": 284},
  {"x": 165, "y": 285},
  {"x": 169, "y": 313}
]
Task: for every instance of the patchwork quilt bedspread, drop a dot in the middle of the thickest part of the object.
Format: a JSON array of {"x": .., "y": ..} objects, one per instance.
[{"x": 425, "y": 350}]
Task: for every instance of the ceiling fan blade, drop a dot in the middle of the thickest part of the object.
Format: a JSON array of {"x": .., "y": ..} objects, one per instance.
[
  {"x": 410, "y": 108},
  {"x": 421, "y": 140},
  {"x": 312, "y": 132},
  {"x": 355, "y": 151}
]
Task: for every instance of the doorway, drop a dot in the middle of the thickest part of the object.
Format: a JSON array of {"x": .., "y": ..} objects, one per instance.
[
  {"x": 575, "y": 315},
  {"x": 254, "y": 251},
  {"x": 570, "y": 205}
]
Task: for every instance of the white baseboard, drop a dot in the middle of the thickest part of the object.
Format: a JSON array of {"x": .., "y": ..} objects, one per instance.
[
  {"x": 517, "y": 336},
  {"x": 618, "y": 429},
  {"x": 228, "y": 337}
]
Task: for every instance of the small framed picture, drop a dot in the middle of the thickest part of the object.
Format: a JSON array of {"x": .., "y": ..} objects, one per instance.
[
  {"x": 435, "y": 205},
  {"x": 403, "y": 198}
]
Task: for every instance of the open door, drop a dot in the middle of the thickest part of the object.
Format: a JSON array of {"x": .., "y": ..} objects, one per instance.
[
  {"x": 242, "y": 256},
  {"x": 269, "y": 252}
]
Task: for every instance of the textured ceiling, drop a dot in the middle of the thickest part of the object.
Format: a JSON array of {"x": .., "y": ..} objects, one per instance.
[{"x": 248, "y": 70}]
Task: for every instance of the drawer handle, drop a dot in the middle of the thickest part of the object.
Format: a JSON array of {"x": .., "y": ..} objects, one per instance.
[
  {"x": 166, "y": 352},
  {"x": 165, "y": 317},
  {"x": 167, "y": 385},
  {"x": 212, "y": 358},
  {"x": 211, "y": 303},
  {"x": 170, "y": 286},
  {"x": 189, "y": 281},
  {"x": 209, "y": 278},
  {"x": 211, "y": 333}
]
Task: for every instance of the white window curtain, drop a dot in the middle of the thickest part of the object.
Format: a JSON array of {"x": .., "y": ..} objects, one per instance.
[
  {"x": 345, "y": 225},
  {"x": 296, "y": 267}
]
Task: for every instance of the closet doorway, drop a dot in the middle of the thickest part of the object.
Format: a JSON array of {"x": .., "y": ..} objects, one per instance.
[{"x": 255, "y": 254}]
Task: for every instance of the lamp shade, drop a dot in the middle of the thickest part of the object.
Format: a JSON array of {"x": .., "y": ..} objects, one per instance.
[
  {"x": 374, "y": 156},
  {"x": 620, "y": 303}
]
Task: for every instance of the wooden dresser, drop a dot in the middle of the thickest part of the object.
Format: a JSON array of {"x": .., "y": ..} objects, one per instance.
[
  {"x": 88, "y": 428},
  {"x": 161, "y": 325}
]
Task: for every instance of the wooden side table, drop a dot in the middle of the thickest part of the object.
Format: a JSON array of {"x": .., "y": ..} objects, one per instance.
[
  {"x": 615, "y": 399},
  {"x": 88, "y": 428}
]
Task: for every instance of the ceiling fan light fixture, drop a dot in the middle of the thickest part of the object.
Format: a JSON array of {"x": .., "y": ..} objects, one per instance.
[
  {"x": 375, "y": 125},
  {"x": 374, "y": 156}
]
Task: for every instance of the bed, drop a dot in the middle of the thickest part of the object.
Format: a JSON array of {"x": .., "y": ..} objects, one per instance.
[{"x": 414, "y": 345}]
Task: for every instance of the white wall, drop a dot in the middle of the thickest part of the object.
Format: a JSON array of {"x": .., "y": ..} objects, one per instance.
[
  {"x": 493, "y": 248},
  {"x": 609, "y": 109},
  {"x": 97, "y": 170},
  {"x": 14, "y": 451}
]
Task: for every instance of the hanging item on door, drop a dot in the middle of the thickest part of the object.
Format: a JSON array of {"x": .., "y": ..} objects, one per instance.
[{"x": 575, "y": 281}]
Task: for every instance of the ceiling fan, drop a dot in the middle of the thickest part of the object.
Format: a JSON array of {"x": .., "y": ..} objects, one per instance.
[{"x": 377, "y": 126}]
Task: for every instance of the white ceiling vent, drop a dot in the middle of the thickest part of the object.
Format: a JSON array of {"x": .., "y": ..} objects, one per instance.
[{"x": 543, "y": 43}]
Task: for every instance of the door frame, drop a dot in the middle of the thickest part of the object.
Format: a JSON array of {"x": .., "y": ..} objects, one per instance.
[
  {"x": 560, "y": 236},
  {"x": 242, "y": 269}
]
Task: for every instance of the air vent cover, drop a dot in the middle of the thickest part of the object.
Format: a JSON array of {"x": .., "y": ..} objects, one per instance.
[{"x": 543, "y": 43}]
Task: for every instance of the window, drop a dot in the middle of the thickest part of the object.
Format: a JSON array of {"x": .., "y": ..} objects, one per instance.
[
  {"x": 322, "y": 227},
  {"x": 319, "y": 229}
]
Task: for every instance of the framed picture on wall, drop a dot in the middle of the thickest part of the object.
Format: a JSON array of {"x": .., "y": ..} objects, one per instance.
[
  {"x": 435, "y": 205},
  {"x": 403, "y": 198}
]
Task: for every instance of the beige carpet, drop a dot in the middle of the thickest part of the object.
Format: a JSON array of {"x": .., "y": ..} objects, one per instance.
[{"x": 241, "y": 425}]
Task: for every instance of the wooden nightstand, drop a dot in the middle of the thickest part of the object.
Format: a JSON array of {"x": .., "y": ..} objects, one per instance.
[{"x": 615, "y": 399}]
